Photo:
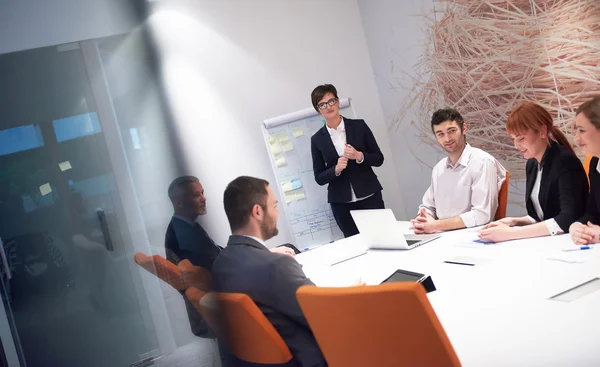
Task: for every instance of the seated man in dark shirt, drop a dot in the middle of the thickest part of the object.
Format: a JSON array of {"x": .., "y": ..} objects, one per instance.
[
  {"x": 269, "y": 279},
  {"x": 186, "y": 239}
]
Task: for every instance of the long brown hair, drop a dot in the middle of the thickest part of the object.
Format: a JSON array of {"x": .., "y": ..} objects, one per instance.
[
  {"x": 531, "y": 116},
  {"x": 591, "y": 110}
]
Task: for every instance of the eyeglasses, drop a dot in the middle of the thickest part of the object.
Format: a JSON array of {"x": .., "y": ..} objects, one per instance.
[{"x": 330, "y": 103}]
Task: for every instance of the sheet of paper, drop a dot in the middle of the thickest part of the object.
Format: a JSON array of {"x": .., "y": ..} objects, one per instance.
[
  {"x": 574, "y": 257},
  {"x": 297, "y": 132},
  {"x": 287, "y": 145},
  {"x": 45, "y": 189},
  {"x": 280, "y": 162},
  {"x": 64, "y": 166},
  {"x": 275, "y": 149}
]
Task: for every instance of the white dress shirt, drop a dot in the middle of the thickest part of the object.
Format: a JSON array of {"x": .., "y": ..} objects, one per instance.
[
  {"x": 551, "y": 224},
  {"x": 338, "y": 138},
  {"x": 468, "y": 189}
]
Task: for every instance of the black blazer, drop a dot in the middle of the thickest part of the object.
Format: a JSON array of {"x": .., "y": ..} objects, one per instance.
[
  {"x": 271, "y": 281},
  {"x": 592, "y": 212},
  {"x": 563, "y": 189},
  {"x": 361, "y": 176},
  {"x": 186, "y": 241}
]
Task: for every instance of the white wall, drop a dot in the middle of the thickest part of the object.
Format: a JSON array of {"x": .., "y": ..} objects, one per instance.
[
  {"x": 228, "y": 65},
  {"x": 27, "y": 24},
  {"x": 395, "y": 33}
]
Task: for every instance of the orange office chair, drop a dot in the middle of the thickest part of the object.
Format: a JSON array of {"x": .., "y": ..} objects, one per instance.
[
  {"x": 162, "y": 268},
  {"x": 391, "y": 325},
  {"x": 195, "y": 276},
  {"x": 244, "y": 329},
  {"x": 502, "y": 199},
  {"x": 195, "y": 295},
  {"x": 586, "y": 166}
]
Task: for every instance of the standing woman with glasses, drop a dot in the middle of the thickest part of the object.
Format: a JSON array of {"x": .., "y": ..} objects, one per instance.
[
  {"x": 556, "y": 184},
  {"x": 587, "y": 134},
  {"x": 343, "y": 153}
]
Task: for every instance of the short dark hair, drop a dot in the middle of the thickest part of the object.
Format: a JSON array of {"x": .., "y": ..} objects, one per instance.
[
  {"x": 240, "y": 197},
  {"x": 180, "y": 182},
  {"x": 319, "y": 92},
  {"x": 446, "y": 114}
]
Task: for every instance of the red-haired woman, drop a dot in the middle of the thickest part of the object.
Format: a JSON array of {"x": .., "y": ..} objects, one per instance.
[{"x": 556, "y": 186}]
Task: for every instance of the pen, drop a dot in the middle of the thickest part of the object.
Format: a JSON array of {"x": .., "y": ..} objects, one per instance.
[{"x": 578, "y": 249}]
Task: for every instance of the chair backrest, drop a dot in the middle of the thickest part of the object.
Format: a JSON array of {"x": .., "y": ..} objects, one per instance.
[
  {"x": 195, "y": 276},
  {"x": 503, "y": 198},
  {"x": 243, "y": 328},
  {"x": 392, "y": 324},
  {"x": 162, "y": 268},
  {"x": 586, "y": 166},
  {"x": 195, "y": 295}
]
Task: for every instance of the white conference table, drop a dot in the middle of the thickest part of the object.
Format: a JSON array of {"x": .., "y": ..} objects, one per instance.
[{"x": 496, "y": 313}]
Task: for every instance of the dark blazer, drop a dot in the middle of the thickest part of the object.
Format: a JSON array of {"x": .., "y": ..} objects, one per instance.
[
  {"x": 361, "y": 176},
  {"x": 592, "y": 211},
  {"x": 190, "y": 241},
  {"x": 563, "y": 189},
  {"x": 184, "y": 240},
  {"x": 271, "y": 281}
]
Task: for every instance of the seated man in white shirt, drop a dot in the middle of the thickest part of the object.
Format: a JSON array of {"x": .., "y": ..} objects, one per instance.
[{"x": 464, "y": 186}]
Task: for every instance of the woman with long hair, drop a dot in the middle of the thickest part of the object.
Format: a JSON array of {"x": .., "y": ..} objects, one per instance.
[
  {"x": 556, "y": 183},
  {"x": 587, "y": 134}
]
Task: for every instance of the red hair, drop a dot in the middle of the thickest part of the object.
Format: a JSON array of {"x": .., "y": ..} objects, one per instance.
[{"x": 531, "y": 116}]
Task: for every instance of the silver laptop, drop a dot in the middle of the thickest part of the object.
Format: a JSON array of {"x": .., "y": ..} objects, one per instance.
[{"x": 381, "y": 230}]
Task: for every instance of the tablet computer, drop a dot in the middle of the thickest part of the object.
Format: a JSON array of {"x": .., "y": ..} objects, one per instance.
[
  {"x": 409, "y": 276},
  {"x": 404, "y": 276}
]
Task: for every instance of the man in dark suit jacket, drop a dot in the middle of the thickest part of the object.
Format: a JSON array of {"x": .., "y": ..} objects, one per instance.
[
  {"x": 343, "y": 153},
  {"x": 186, "y": 239},
  {"x": 269, "y": 279}
]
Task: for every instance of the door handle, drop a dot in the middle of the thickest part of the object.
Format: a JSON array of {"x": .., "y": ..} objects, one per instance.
[{"x": 105, "y": 230}]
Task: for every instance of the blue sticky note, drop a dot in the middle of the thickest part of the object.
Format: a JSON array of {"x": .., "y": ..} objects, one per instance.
[
  {"x": 484, "y": 242},
  {"x": 296, "y": 184}
]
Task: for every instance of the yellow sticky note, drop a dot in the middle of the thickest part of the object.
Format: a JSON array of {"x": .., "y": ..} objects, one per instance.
[
  {"x": 283, "y": 137},
  {"x": 279, "y": 162},
  {"x": 275, "y": 149},
  {"x": 272, "y": 139},
  {"x": 289, "y": 198},
  {"x": 300, "y": 195},
  {"x": 66, "y": 165},
  {"x": 286, "y": 186},
  {"x": 297, "y": 132},
  {"x": 287, "y": 146},
  {"x": 45, "y": 189}
]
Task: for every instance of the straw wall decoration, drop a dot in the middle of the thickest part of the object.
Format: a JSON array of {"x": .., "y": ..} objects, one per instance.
[{"x": 485, "y": 57}]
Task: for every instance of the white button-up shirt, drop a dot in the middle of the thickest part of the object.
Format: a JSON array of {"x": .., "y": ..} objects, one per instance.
[
  {"x": 468, "y": 189},
  {"x": 338, "y": 138}
]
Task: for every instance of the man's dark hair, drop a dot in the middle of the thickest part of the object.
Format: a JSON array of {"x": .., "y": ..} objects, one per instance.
[
  {"x": 446, "y": 114},
  {"x": 240, "y": 197},
  {"x": 319, "y": 92},
  {"x": 180, "y": 182}
]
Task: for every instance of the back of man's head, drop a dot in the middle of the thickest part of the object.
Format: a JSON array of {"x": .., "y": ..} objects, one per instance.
[
  {"x": 446, "y": 114},
  {"x": 241, "y": 195}
]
